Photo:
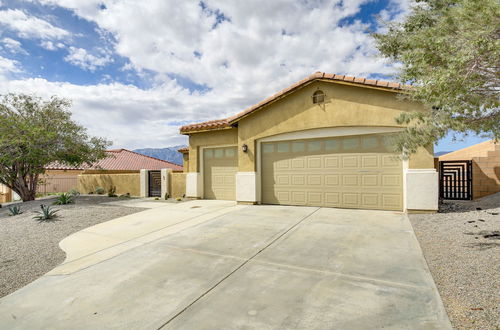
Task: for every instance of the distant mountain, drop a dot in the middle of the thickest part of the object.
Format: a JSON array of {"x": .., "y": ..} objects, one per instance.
[
  {"x": 169, "y": 154},
  {"x": 437, "y": 154}
]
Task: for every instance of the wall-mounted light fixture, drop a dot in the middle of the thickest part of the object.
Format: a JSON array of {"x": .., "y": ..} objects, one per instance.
[{"x": 244, "y": 148}]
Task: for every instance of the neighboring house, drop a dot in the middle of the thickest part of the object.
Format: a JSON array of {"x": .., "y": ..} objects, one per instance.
[
  {"x": 123, "y": 159},
  {"x": 485, "y": 159},
  {"x": 320, "y": 142},
  {"x": 61, "y": 178},
  {"x": 120, "y": 169}
]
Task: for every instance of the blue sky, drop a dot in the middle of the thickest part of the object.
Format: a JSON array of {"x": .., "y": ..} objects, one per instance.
[{"x": 137, "y": 70}]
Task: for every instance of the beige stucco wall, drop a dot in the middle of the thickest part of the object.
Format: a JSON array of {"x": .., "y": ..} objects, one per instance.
[
  {"x": 485, "y": 158},
  {"x": 477, "y": 150},
  {"x": 210, "y": 138},
  {"x": 177, "y": 184},
  {"x": 124, "y": 183},
  {"x": 345, "y": 106},
  {"x": 62, "y": 172},
  {"x": 185, "y": 162}
]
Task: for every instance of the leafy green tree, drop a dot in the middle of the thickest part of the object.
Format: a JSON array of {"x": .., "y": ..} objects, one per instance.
[
  {"x": 35, "y": 133},
  {"x": 449, "y": 51}
]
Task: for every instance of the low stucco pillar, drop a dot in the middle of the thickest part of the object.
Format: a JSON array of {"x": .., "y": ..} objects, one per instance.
[
  {"x": 165, "y": 182},
  {"x": 247, "y": 187},
  {"x": 194, "y": 185},
  {"x": 422, "y": 189},
  {"x": 144, "y": 183}
]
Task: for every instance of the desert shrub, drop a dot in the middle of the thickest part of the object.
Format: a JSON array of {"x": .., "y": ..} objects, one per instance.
[
  {"x": 112, "y": 192},
  {"x": 166, "y": 196},
  {"x": 47, "y": 213},
  {"x": 99, "y": 190},
  {"x": 74, "y": 192},
  {"x": 178, "y": 199},
  {"x": 127, "y": 195},
  {"x": 64, "y": 199},
  {"x": 15, "y": 210}
]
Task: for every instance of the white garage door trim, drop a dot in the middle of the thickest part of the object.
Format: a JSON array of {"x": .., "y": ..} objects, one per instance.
[
  {"x": 325, "y": 133},
  {"x": 201, "y": 180}
]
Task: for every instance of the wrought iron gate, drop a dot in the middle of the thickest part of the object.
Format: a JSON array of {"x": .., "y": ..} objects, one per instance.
[
  {"x": 455, "y": 179},
  {"x": 154, "y": 185}
]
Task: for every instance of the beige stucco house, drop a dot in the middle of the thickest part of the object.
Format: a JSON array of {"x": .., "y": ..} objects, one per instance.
[{"x": 320, "y": 142}]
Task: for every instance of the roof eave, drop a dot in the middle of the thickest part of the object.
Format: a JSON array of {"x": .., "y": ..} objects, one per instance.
[{"x": 205, "y": 130}]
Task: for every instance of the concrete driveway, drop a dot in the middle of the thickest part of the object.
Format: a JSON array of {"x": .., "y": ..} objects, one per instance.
[{"x": 216, "y": 265}]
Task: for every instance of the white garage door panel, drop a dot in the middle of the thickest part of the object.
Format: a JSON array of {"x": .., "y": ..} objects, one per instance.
[{"x": 352, "y": 172}]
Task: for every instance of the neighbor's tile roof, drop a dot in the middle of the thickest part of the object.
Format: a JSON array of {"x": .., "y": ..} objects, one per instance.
[
  {"x": 59, "y": 166},
  {"x": 123, "y": 159},
  {"x": 183, "y": 150},
  {"x": 225, "y": 123}
]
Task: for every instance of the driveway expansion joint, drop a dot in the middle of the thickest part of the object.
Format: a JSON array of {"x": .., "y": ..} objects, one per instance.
[{"x": 237, "y": 268}]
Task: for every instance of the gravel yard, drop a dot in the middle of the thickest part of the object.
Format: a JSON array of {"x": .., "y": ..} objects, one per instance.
[
  {"x": 29, "y": 248},
  {"x": 462, "y": 247}
]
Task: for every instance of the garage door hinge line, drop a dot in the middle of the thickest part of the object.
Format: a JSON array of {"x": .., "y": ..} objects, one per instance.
[{"x": 237, "y": 268}]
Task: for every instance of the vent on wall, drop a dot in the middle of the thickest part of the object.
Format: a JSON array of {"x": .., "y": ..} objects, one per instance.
[{"x": 318, "y": 97}]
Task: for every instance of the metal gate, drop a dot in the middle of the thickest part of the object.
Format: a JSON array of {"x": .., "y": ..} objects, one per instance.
[
  {"x": 154, "y": 184},
  {"x": 455, "y": 179}
]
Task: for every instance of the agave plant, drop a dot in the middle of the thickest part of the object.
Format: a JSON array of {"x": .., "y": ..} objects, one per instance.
[
  {"x": 46, "y": 213},
  {"x": 15, "y": 210},
  {"x": 64, "y": 199}
]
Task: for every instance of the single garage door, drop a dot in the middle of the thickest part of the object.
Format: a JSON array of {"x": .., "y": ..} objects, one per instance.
[
  {"x": 219, "y": 173},
  {"x": 349, "y": 172}
]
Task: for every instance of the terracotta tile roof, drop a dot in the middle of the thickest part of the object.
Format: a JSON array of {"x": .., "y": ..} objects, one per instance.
[
  {"x": 207, "y": 125},
  {"x": 59, "y": 166},
  {"x": 226, "y": 123},
  {"x": 183, "y": 150},
  {"x": 123, "y": 159}
]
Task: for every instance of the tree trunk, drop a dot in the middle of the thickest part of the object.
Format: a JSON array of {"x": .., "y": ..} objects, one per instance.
[{"x": 26, "y": 190}]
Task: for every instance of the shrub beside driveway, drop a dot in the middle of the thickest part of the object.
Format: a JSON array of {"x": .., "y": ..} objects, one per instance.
[
  {"x": 462, "y": 247},
  {"x": 30, "y": 248}
]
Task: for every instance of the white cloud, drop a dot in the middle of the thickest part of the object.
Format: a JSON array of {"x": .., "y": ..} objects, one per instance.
[
  {"x": 81, "y": 58},
  {"x": 129, "y": 116},
  {"x": 30, "y": 26},
  {"x": 7, "y": 65},
  {"x": 250, "y": 48},
  {"x": 49, "y": 45},
  {"x": 13, "y": 46},
  {"x": 263, "y": 46}
]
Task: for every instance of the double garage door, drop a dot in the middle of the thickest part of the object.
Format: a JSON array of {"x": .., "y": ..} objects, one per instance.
[{"x": 348, "y": 172}]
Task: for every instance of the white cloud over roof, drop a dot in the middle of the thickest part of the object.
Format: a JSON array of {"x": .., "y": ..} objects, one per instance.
[
  {"x": 239, "y": 51},
  {"x": 28, "y": 26}
]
